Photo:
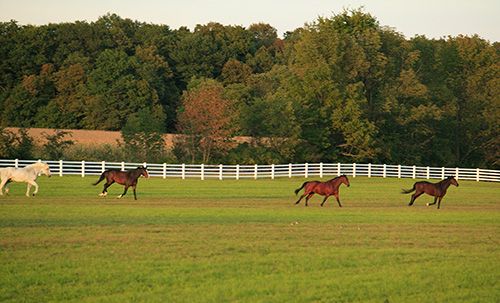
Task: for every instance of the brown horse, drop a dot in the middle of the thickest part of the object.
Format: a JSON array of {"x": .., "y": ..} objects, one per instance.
[
  {"x": 326, "y": 189},
  {"x": 438, "y": 190},
  {"x": 127, "y": 178}
]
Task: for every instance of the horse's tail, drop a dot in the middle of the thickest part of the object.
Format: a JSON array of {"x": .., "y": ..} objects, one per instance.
[
  {"x": 298, "y": 189},
  {"x": 103, "y": 176},
  {"x": 407, "y": 191}
]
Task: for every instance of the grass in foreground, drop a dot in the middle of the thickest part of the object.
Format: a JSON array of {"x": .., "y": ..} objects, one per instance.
[{"x": 245, "y": 241}]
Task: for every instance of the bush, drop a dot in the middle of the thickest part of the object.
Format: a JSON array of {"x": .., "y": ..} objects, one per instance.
[{"x": 16, "y": 146}]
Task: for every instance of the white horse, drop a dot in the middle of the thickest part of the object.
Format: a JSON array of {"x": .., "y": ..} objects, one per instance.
[{"x": 27, "y": 174}]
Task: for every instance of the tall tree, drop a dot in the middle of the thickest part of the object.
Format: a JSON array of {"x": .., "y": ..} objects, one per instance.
[
  {"x": 472, "y": 73},
  {"x": 142, "y": 135},
  {"x": 206, "y": 119}
]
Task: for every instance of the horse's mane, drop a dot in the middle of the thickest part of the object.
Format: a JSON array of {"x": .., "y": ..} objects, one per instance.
[
  {"x": 447, "y": 179},
  {"x": 338, "y": 177},
  {"x": 37, "y": 164}
]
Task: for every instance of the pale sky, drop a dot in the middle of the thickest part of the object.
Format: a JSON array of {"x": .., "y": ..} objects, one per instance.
[{"x": 432, "y": 18}]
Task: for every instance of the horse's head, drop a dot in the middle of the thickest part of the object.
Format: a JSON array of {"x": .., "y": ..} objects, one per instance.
[
  {"x": 345, "y": 180},
  {"x": 44, "y": 167},
  {"x": 144, "y": 171},
  {"x": 453, "y": 181}
]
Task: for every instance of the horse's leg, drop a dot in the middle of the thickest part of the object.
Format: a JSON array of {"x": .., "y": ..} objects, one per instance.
[
  {"x": 309, "y": 197},
  {"x": 439, "y": 203},
  {"x": 337, "y": 197},
  {"x": 105, "y": 190},
  {"x": 324, "y": 200},
  {"x": 124, "y": 192},
  {"x": 435, "y": 200},
  {"x": 32, "y": 183},
  {"x": 2, "y": 185},
  {"x": 133, "y": 187},
  {"x": 415, "y": 196},
  {"x": 6, "y": 188},
  {"x": 301, "y": 198}
]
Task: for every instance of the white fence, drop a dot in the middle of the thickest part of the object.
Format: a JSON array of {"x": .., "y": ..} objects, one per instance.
[{"x": 306, "y": 170}]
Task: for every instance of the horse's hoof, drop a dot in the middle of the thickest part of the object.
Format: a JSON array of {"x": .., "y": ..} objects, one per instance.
[
  {"x": 118, "y": 197},
  {"x": 428, "y": 204}
]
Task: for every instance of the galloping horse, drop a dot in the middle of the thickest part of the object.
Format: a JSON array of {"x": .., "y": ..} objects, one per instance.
[
  {"x": 438, "y": 190},
  {"x": 326, "y": 189},
  {"x": 127, "y": 178},
  {"x": 27, "y": 174}
]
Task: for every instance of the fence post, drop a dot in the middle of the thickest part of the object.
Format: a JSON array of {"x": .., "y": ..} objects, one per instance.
[
  {"x": 384, "y": 173},
  {"x": 123, "y": 166},
  {"x": 60, "y": 168},
  {"x": 477, "y": 174},
  {"x": 164, "y": 170},
  {"x": 16, "y": 163},
  {"x": 289, "y": 170},
  {"x": 103, "y": 166},
  {"x": 354, "y": 170},
  {"x": 272, "y": 171},
  {"x": 414, "y": 171},
  {"x": 442, "y": 173},
  {"x": 83, "y": 168},
  {"x": 202, "y": 171},
  {"x": 428, "y": 173},
  {"x": 321, "y": 169},
  {"x": 183, "y": 171},
  {"x": 399, "y": 171},
  {"x": 305, "y": 170},
  {"x": 255, "y": 172},
  {"x": 456, "y": 173},
  {"x": 338, "y": 169},
  {"x": 237, "y": 171},
  {"x": 220, "y": 171},
  {"x": 369, "y": 170}
]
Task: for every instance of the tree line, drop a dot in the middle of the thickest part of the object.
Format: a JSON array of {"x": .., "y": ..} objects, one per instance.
[{"x": 340, "y": 88}]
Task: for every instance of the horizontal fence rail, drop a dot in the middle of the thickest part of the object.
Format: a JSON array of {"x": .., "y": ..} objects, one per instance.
[{"x": 306, "y": 170}]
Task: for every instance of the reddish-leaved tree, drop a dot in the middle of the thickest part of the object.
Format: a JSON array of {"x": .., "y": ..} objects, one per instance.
[{"x": 207, "y": 120}]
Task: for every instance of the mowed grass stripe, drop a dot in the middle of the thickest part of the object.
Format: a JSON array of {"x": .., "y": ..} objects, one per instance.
[{"x": 245, "y": 241}]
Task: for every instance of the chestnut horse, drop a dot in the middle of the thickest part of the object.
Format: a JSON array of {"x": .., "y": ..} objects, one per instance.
[
  {"x": 437, "y": 190},
  {"x": 326, "y": 189},
  {"x": 127, "y": 178}
]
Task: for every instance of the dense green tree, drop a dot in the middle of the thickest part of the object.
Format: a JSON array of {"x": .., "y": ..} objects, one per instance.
[
  {"x": 142, "y": 136},
  {"x": 472, "y": 76}
]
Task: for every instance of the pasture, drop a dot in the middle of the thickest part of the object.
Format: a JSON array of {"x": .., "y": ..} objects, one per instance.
[{"x": 246, "y": 241}]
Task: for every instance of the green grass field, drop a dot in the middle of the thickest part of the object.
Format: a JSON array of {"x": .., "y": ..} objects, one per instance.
[{"x": 246, "y": 241}]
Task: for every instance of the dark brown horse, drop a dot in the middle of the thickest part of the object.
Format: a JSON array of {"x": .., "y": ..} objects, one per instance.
[
  {"x": 326, "y": 189},
  {"x": 127, "y": 178},
  {"x": 437, "y": 190}
]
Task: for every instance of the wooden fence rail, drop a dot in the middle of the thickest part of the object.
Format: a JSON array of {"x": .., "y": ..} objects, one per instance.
[{"x": 306, "y": 170}]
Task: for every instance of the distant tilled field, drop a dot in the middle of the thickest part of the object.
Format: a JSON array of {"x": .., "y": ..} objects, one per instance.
[
  {"x": 86, "y": 137},
  {"x": 78, "y": 136}
]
